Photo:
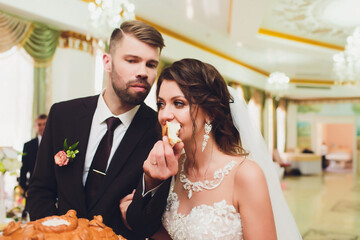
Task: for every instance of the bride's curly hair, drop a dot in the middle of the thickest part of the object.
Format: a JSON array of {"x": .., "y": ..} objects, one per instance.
[{"x": 204, "y": 87}]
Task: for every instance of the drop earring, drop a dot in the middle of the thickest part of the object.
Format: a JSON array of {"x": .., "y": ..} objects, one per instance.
[{"x": 206, "y": 135}]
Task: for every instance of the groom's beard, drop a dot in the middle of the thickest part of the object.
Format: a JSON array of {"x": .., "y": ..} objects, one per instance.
[{"x": 125, "y": 95}]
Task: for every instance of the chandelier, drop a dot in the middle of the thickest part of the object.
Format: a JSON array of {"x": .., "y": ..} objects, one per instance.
[
  {"x": 278, "y": 82},
  {"x": 347, "y": 63},
  {"x": 106, "y": 15}
]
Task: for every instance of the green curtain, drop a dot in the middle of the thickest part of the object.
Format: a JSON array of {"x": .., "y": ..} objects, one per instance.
[
  {"x": 247, "y": 92},
  {"x": 356, "y": 108},
  {"x": 276, "y": 101},
  {"x": 39, "y": 98},
  {"x": 40, "y": 41},
  {"x": 163, "y": 64},
  {"x": 41, "y": 45}
]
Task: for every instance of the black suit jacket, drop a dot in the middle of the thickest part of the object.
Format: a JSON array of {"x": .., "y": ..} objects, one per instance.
[
  {"x": 54, "y": 190},
  {"x": 28, "y": 162}
]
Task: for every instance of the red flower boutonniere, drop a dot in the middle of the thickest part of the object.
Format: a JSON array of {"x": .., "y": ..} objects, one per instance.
[{"x": 62, "y": 158}]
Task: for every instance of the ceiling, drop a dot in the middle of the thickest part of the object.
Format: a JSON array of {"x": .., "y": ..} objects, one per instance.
[{"x": 297, "y": 37}]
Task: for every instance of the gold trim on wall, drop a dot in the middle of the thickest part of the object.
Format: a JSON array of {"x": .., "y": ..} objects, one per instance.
[
  {"x": 326, "y": 100},
  {"x": 79, "y": 41},
  {"x": 310, "y": 81},
  {"x": 225, "y": 56},
  {"x": 202, "y": 46},
  {"x": 299, "y": 39},
  {"x": 234, "y": 60}
]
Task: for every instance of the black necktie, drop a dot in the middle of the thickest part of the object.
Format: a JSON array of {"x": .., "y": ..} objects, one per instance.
[{"x": 98, "y": 166}]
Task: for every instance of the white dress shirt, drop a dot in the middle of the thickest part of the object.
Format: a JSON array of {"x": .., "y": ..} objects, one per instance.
[
  {"x": 99, "y": 128},
  {"x": 39, "y": 139}
]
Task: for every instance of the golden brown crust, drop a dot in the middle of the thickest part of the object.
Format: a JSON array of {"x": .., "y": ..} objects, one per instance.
[
  {"x": 78, "y": 229},
  {"x": 173, "y": 135},
  {"x": 11, "y": 228}
]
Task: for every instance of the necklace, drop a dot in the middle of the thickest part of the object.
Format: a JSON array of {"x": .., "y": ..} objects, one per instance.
[{"x": 207, "y": 184}]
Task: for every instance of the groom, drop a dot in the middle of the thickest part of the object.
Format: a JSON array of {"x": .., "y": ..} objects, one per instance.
[{"x": 131, "y": 64}]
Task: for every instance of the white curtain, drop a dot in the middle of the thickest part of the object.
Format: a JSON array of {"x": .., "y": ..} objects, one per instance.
[
  {"x": 268, "y": 124},
  {"x": 280, "y": 128},
  {"x": 16, "y": 97},
  {"x": 255, "y": 113}
]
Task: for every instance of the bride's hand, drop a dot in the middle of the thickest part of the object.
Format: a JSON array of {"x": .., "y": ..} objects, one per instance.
[
  {"x": 124, "y": 205},
  {"x": 161, "y": 163}
]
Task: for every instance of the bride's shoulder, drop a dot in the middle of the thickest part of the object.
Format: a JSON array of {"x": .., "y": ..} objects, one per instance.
[
  {"x": 249, "y": 184},
  {"x": 248, "y": 173}
]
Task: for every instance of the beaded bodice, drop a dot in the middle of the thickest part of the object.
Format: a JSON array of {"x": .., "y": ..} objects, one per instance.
[
  {"x": 219, "y": 221},
  {"x": 207, "y": 184}
]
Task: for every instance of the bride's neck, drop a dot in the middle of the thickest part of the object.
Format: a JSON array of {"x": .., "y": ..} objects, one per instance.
[{"x": 199, "y": 163}]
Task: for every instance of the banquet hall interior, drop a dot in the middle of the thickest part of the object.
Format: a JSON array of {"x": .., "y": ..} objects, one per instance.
[{"x": 296, "y": 63}]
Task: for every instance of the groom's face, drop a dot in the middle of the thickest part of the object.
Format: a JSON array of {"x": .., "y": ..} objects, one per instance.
[{"x": 133, "y": 69}]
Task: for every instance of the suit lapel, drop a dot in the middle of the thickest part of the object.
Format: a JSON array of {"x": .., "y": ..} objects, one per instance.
[
  {"x": 36, "y": 145},
  {"x": 133, "y": 135},
  {"x": 83, "y": 131}
]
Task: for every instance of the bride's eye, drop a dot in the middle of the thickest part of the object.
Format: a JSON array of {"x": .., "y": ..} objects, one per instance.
[
  {"x": 160, "y": 105},
  {"x": 179, "y": 104}
]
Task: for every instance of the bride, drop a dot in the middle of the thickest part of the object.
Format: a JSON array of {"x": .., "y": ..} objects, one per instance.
[{"x": 224, "y": 185}]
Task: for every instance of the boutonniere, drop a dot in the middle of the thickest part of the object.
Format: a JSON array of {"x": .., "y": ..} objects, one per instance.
[{"x": 62, "y": 158}]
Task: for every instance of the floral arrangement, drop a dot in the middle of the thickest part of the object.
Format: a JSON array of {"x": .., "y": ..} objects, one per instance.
[
  {"x": 9, "y": 160},
  {"x": 69, "y": 153}
]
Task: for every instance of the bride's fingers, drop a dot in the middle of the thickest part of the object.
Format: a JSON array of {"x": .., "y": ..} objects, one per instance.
[
  {"x": 124, "y": 205},
  {"x": 160, "y": 162},
  {"x": 171, "y": 160},
  {"x": 152, "y": 161}
]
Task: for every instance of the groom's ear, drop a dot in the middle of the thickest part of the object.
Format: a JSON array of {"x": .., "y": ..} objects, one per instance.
[{"x": 107, "y": 62}]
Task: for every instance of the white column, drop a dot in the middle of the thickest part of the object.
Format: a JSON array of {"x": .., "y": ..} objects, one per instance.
[{"x": 291, "y": 139}]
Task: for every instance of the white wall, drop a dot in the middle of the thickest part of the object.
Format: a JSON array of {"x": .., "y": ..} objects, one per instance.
[
  {"x": 73, "y": 74},
  {"x": 176, "y": 50},
  {"x": 59, "y": 14}
]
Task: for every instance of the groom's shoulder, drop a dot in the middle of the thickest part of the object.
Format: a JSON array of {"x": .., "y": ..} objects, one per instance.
[
  {"x": 75, "y": 104},
  {"x": 148, "y": 110}
]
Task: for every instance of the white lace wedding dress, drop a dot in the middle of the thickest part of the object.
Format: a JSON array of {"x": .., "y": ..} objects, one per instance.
[
  {"x": 217, "y": 221},
  {"x": 220, "y": 220}
]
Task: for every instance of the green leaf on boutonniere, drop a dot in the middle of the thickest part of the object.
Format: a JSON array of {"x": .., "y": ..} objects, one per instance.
[
  {"x": 70, "y": 151},
  {"x": 73, "y": 146},
  {"x": 65, "y": 144}
]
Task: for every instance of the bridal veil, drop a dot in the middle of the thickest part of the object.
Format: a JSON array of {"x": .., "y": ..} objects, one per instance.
[{"x": 253, "y": 142}]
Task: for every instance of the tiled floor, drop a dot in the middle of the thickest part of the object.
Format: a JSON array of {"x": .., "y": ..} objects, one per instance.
[{"x": 325, "y": 207}]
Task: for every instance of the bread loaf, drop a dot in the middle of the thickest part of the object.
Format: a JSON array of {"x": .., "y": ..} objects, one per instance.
[{"x": 63, "y": 227}]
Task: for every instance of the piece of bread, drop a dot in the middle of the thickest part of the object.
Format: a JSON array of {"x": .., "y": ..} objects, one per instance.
[
  {"x": 63, "y": 227},
  {"x": 171, "y": 130}
]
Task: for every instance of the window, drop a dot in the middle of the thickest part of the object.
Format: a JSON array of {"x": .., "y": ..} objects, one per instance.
[{"x": 16, "y": 97}]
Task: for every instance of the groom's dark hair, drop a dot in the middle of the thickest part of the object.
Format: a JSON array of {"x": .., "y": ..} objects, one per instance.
[{"x": 138, "y": 29}]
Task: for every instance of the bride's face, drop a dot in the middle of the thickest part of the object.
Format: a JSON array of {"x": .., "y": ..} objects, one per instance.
[{"x": 174, "y": 107}]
